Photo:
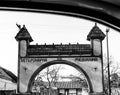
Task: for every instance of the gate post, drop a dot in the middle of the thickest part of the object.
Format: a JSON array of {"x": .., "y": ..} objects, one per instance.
[
  {"x": 23, "y": 37},
  {"x": 96, "y": 36}
]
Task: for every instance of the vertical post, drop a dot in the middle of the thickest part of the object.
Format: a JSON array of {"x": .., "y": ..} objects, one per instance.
[
  {"x": 107, "y": 30},
  {"x": 5, "y": 86},
  {"x": 18, "y": 80}
]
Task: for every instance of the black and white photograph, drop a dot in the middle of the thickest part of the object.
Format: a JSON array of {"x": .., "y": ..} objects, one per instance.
[{"x": 59, "y": 47}]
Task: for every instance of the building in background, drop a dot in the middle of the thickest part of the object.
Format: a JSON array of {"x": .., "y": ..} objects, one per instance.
[
  {"x": 8, "y": 81},
  {"x": 62, "y": 88}
]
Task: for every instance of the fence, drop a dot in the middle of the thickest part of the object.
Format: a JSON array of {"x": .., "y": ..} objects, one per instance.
[{"x": 7, "y": 92}]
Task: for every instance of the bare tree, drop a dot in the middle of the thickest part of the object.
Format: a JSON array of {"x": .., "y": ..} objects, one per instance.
[{"x": 50, "y": 75}]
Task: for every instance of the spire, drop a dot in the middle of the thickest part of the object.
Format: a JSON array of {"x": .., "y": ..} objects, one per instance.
[
  {"x": 23, "y": 34},
  {"x": 96, "y": 33}
]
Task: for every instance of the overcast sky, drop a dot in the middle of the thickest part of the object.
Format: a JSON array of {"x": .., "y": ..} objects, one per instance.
[{"x": 49, "y": 29}]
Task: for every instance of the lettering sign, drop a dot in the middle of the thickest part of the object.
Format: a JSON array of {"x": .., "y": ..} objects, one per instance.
[
  {"x": 33, "y": 59},
  {"x": 86, "y": 59}
]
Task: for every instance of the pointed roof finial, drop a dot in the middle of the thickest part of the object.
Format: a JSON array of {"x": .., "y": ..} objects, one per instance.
[
  {"x": 19, "y": 26},
  {"x": 24, "y": 27}
]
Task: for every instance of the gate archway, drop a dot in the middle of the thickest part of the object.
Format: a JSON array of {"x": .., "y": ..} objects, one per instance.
[
  {"x": 80, "y": 69},
  {"x": 84, "y": 57}
]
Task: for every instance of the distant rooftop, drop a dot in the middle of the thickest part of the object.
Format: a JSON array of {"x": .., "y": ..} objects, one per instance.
[
  {"x": 68, "y": 85},
  {"x": 7, "y": 75}
]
